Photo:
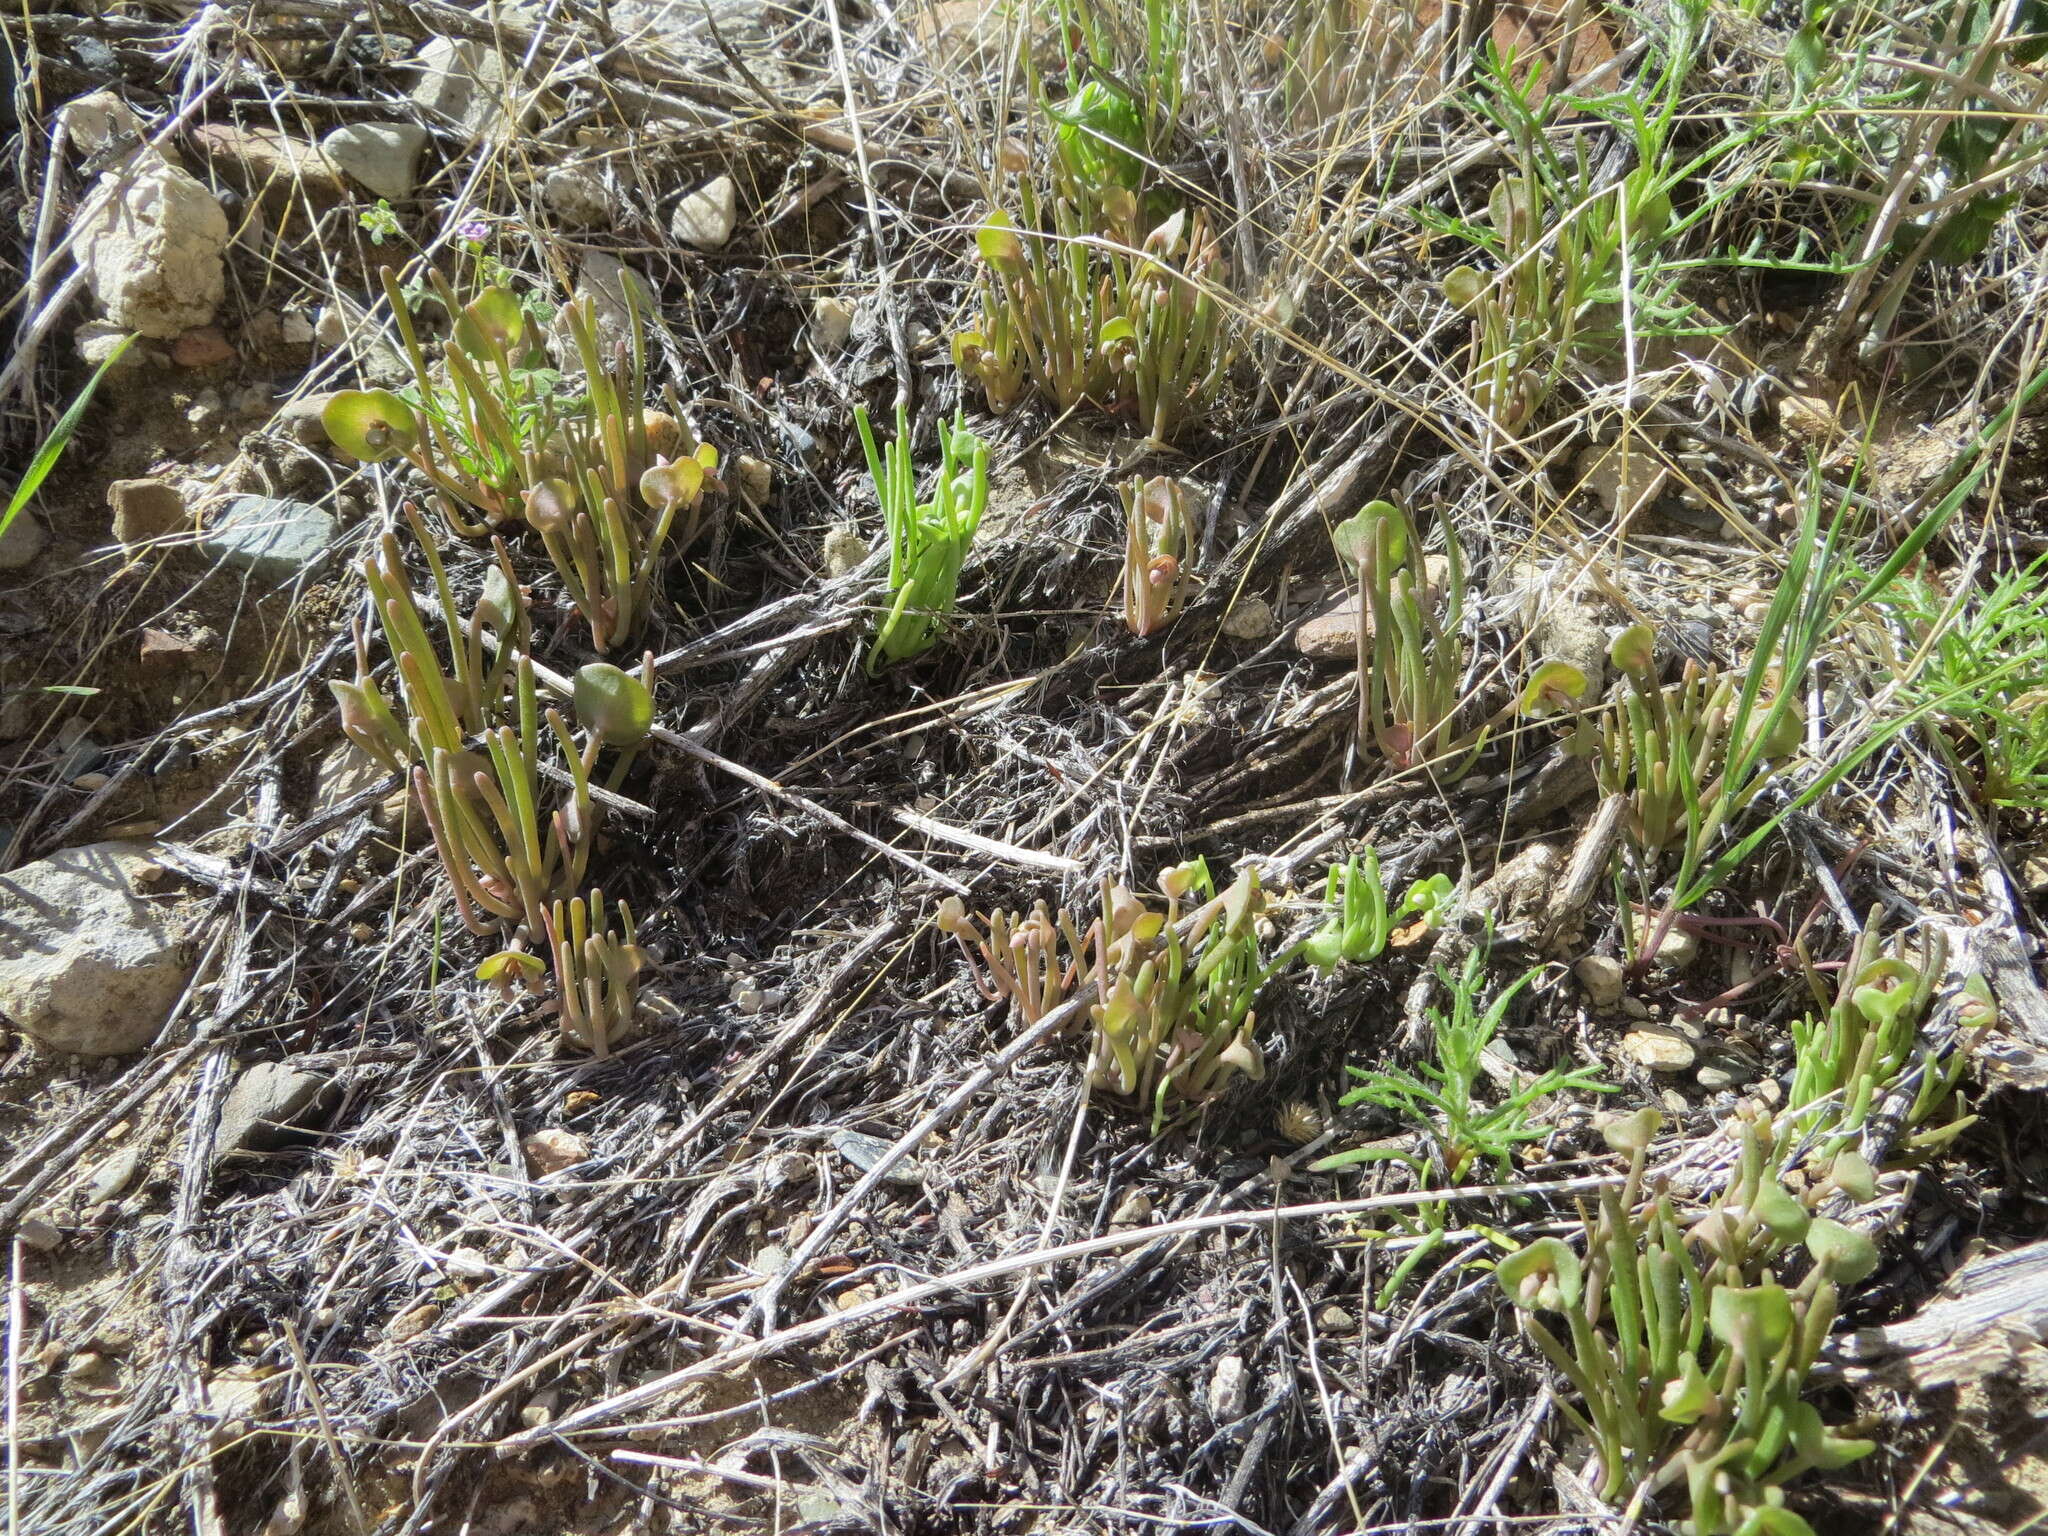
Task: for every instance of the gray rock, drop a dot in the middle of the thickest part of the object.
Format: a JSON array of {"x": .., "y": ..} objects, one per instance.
[
  {"x": 94, "y": 124},
  {"x": 1603, "y": 977},
  {"x": 110, "y": 1180},
  {"x": 145, "y": 510},
  {"x": 272, "y": 540},
  {"x": 266, "y": 1103},
  {"x": 1726, "y": 1070},
  {"x": 24, "y": 539},
  {"x": 152, "y": 241},
  {"x": 578, "y": 197},
  {"x": 300, "y": 419},
  {"x": 463, "y": 82},
  {"x": 87, "y": 963},
  {"x": 706, "y": 218},
  {"x": 384, "y": 157}
]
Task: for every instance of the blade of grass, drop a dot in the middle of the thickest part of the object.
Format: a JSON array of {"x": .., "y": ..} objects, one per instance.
[{"x": 60, "y": 438}]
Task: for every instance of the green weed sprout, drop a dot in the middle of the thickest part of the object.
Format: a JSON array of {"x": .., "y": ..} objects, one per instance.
[
  {"x": 1692, "y": 755},
  {"x": 1440, "y": 1100},
  {"x": 1686, "y": 1353},
  {"x": 1360, "y": 921},
  {"x": 928, "y": 541},
  {"x": 1847, "y": 1060},
  {"x": 1410, "y": 663},
  {"x": 1122, "y": 317},
  {"x": 597, "y": 970},
  {"x": 474, "y": 430},
  {"x": 1582, "y": 260},
  {"x": 1158, "y": 538},
  {"x": 1986, "y": 679}
]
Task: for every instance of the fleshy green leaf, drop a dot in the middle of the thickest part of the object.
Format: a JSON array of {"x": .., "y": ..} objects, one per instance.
[{"x": 370, "y": 424}]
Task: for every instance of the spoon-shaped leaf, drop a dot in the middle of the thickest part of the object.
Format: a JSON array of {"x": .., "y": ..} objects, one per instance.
[
  {"x": 370, "y": 424},
  {"x": 614, "y": 704}
]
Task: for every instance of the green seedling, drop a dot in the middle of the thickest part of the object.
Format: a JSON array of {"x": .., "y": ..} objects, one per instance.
[
  {"x": 1847, "y": 1060},
  {"x": 496, "y": 435},
  {"x": 928, "y": 541},
  {"x": 1159, "y": 536},
  {"x": 1173, "y": 1016},
  {"x": 597, "y": 971},
  {"x": 1691, "y": 756},
  {"x": 1687, "y": 1355},
  {"x": 469, "y": 734},
  {"x": 475, "y": 428},
  {"x": 1360, "y": 922},
  {"x": 1411, "y": 662},
  {"x": 1463, "y": 1137},
  {"x": 1126, "y": 318},
  {"x": 1984, "y": 672}
]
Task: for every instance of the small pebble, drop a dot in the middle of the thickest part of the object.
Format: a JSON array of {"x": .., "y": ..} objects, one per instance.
[
  {"x": 551, "y": 1151},
  {"x": 1659, "y": 1050},
  {"x": 1602, "y": 976},
  {"x": 410, "y": 1325},
  {"x": 1134, "y": 1210},
  {"x": 37, "y": 1233},
  {"x": 1251, "y": 618},
  {"x": 749, "y": 1000}
]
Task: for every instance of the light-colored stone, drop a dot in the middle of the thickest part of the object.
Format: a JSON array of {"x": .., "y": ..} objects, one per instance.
[
  {"x": 831, "y": 323},
  {"x": 267, "y": 164},
  {"x": 203, "y": 346},
  {"x": 1675, "y": 951},
  {"x": 755, "y": 476},
  {"x": 101, "y": 341},
  {"x": 94, "y": 124},
  {"x": 24, "y": 540},
  {"x": 300, "y": 419},
  {"x": 1250, "y": 618},
  {"x": 273, "y": 540},
  {"x": 87, "y": 963},
  {"x": 151, "y": 241},
  {"x": 465, "y": 82},
  {"x": 578, "y": 197},
  {"x": 551, "y": 1151},
  {"x": 1659, "y": 1050},
  {"x": 265, "y": 1102},
  {"x": 844, "y": 550},
  {"x": 707, "y": 217},
  {"x": 1331, "y": 636},
  {"x": 1623, "y": 478},
  {"x": 1603, "y": 978},
  {"x": 383, "y": 157}
]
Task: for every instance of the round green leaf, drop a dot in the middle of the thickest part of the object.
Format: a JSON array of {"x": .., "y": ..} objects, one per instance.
[
  {"x": 614, "y": 704},
  {"x": 1843, "y": 1254},
  {"x": 370, "y": 424},
  {"x": 1543, "y": 1277}
]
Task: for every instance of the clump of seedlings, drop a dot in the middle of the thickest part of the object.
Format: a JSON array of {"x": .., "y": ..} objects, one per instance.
[
  {"x": 1687, "y": 1353},
  {"x": 597, "y": 970},
  {"x": 1462, "y": 1135},
  {"x": 1846, "y": 1060},
  {"x": 471, "y": 738},
  {"x": 607, "y": 484},
  {"x": 1174, "y": 986},
  {"x": 928, "y": 541},
  {"x": 1127, "y": 318}
]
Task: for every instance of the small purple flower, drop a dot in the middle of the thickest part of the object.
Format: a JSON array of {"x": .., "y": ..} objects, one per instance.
[{"x": 473, "y": 230}]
